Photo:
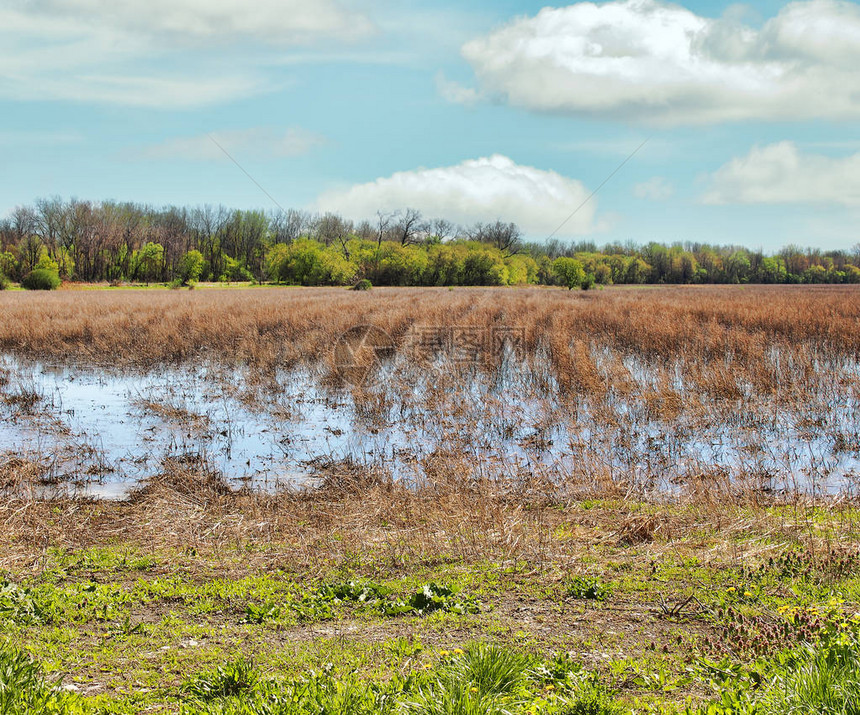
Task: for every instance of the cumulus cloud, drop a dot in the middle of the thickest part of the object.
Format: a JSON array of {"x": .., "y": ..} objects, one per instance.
[
  {"x": 257, "y": 142},
  {"x": 779, "y": 174},
  {"x": 656, "y": 188},
  {"x": 652, "y": 61},
  {"x": 476, "y": 190},
  {"x": 158, "y": 53}
]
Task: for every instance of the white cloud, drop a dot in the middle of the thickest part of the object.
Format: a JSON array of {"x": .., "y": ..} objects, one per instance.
[
  {"x": 139, "y": 91},
  {"x": 651, "y": 61},
  {"x": 278, "y": 22},
  {"x": 654, "y": 147},
  {"x": 257, "y": 142},
  {"x": 656, "y": 188},
  {"x": 158, "y": 53},
  {"x": 779, "y": 174},
  {"x": 475, "y": 190},
  {"x": 455, "y": 92},
  {"x": 40, "y": 138}
]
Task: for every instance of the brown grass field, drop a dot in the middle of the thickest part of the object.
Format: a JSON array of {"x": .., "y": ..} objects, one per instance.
[{"x": 735, "y": 324}]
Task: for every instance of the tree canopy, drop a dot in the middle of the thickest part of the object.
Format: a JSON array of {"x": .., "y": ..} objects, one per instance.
[{"x": 109, "y": 241}]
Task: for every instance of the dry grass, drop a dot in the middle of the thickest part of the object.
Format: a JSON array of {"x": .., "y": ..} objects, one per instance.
[
  {"x": 284, "y": 326},
  {"x": 357, "y": 519}
]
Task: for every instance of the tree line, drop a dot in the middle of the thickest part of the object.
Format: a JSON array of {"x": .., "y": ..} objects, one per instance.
[{"x": 128, "y": 242}]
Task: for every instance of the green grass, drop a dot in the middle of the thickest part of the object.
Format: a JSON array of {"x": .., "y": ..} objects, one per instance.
[
  {"x": 684, "y": 626},
  {"x": 587, "y": 588},
  {"x": 24, "y": 688}
]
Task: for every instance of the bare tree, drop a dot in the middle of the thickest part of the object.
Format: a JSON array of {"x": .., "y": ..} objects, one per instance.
[
  {"x": 30, "y": 250},
  {"x": 128, "y": 222},
  {"x": 207, "y": 224},
  {"x": 23, "y": 228},
  {"x": 287, "y": 226},
  {"x": 410, "y": 227},
  {"x": 383, "y": 223},
  {"x": 50, "y": 216},
  {"x": 554, "y": 248},
  {"x": 24, "y": 222},
  {"x": 504, "y": 236},
  {"x": 365, "y": 230},
  {"x": 442, "y": 228},
  {"x": 176, "y": 236},
  {"x": 7, "y": 237},
  {"x": 331, "y": 228}
]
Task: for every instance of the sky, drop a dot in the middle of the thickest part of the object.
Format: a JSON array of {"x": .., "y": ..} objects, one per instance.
[{"x": 717, "y": 122}]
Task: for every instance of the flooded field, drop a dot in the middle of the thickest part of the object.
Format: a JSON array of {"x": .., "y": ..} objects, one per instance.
[{"x": 644, "y": 427}]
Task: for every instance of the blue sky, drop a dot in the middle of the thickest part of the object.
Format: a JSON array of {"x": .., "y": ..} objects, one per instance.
[{"x": 470, "y": 110}]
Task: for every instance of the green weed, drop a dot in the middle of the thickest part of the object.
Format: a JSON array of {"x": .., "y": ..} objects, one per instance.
[
  {"x": 229, "y": 680},
  {"x": 24, "y": 690},
  {"x": 587, "y": 588},
  {"x": 20, "y": 605}
]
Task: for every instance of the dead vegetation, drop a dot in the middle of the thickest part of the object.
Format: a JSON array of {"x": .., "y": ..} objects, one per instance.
[
  {"x": 737, "y": 325},
  {"x": 359, "y": 519}
]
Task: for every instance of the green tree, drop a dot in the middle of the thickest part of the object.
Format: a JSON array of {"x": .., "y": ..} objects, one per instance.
[
  {"x": 638, "y": 271},
  {"x": 190, "y": 267},
  {"x": 234, "y": 270},
  {"x": 148, "y": 262},
  {"x": 484, "y": 268},
  {"x": 445, "y": 264},
  {"x": 401, "y": 265},
  {"x": 47, "y": 263},
  {"x": 521, "y": 269},
  {"x": 815, "y": 274},
  {"x": 303, "y": 263},
  {"x": 336, "y": 269},
  {"x": 277, "y": 258},
  {"x": 772, "y": 270},
  {"x": 852, "y": 274},
  {"x": 8, "y": 264},
  {"x": 569, "y": 272},
  {"x": 309, "y": 263}
]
